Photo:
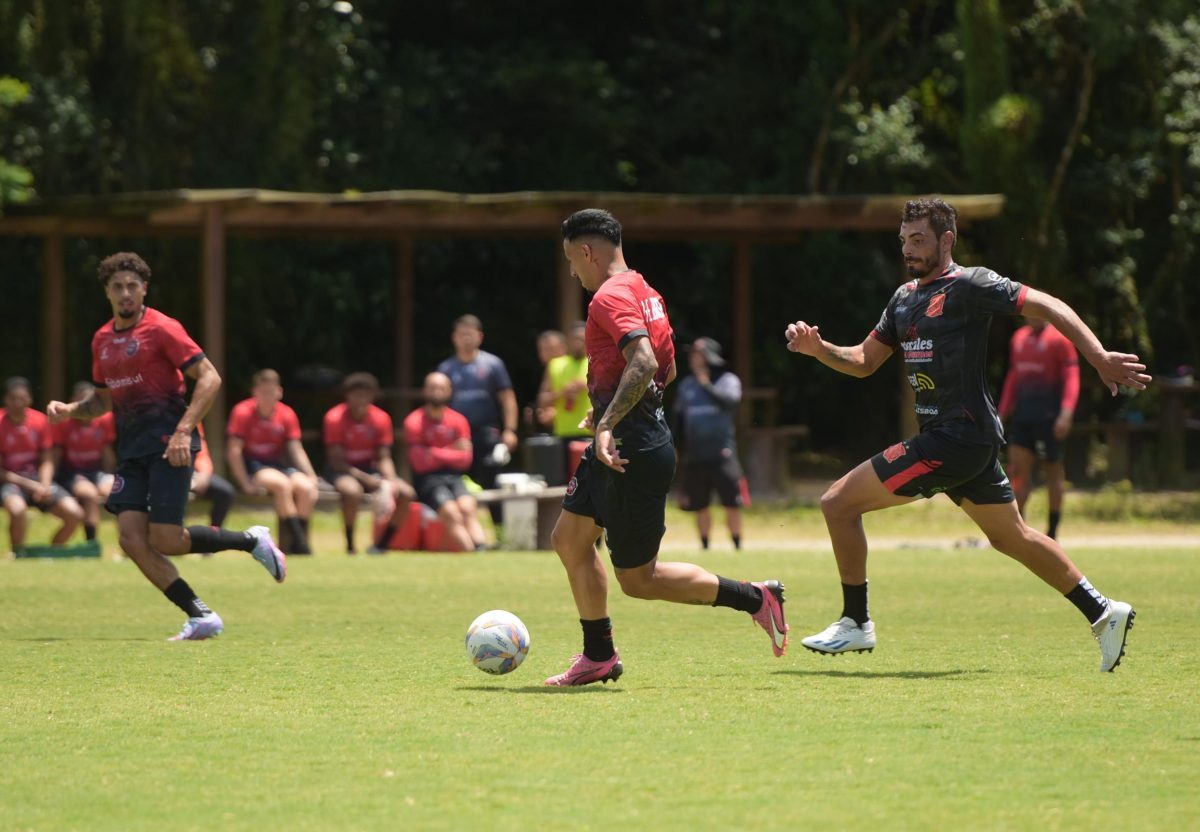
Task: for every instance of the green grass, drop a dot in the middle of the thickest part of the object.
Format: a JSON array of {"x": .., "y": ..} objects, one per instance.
[{"x": 344, "y": 700}]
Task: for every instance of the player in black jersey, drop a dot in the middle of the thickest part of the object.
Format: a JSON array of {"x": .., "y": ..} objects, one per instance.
[{"x": 940, "y": 320}]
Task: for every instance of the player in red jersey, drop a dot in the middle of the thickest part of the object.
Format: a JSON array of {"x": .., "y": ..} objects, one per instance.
[
  {"x": 939, "y": 320},
  {"x": 27, "y": 467},
  {"x": 622, "y": 482},
  {"x": 1036, "y": 404},
  {"x": 84, "y": 460},
  {"x": 439, "y": 453},
  {"x": 266, "y": 456},
  {"x": 138, "y": 363},
  {"x": 358, "y": 450}
]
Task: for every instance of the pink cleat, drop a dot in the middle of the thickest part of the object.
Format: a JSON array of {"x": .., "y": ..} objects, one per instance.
[
  {"x": 770, "y": 615},
  {"x": 198, "y": 628},
  {"x": 584, "y": 671}
]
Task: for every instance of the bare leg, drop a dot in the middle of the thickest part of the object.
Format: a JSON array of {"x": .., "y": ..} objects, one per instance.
[
  {"x": 574, "y": 539},
  {"x": 470, "y": 512},
  {"x": 681, "y": 583},
  {"x": 1020, "y": 473},
  {"x": 843, "y": 505},
  {"x": 134, "y": 530},
  {"x": 1056, "y": 481},
  {"x": 733, "y": 519},
  {"x": 88, "y": 496},
  {"x": 1008, "y": 532},
  {"x": 18, "y": 520},
  {"x": 277, "y": 484},
  {"x": 70, "y": 512},
  {"x": 452, "y": 517},
  {"x": 352, "y": 492},
  {"x": 304, "y": 492}
]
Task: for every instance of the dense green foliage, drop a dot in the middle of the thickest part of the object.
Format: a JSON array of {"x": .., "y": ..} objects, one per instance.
[{"x": 1087, "y": 116}]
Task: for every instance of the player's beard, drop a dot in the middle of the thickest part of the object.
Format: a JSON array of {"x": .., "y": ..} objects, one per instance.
[
  {"x": 921, "y": 267},
  {"x": 128, "y": 314}
]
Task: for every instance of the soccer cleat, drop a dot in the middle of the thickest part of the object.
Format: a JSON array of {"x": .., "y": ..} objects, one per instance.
[
  {"x": 198, "y": 628},
  {"x": 584, "y": 671},
  {"x": 843, "y": 636},
  {"x": 770, "y": 615},
  {"x": 267, "y": 553},
  {"x": 1111, "y": 630}
]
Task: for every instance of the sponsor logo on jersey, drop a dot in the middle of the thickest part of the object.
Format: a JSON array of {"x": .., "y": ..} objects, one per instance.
[
  {"x": 926, "y": 410},
  {"x": 918, "y": 350},
  {"x": 934, "y": 309},
  {"x": 920, "y": 381},
  {"x": 894, "y": 452},
  {"x": 124, "y": 381},
  {"x": 652, "y": 310}
]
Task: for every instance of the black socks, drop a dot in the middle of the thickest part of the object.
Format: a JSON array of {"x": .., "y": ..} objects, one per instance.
[
  {"x": 350, "y": 539},
  {"x": 1088, "y": 601},
  {"x": 597, "y": 639},
  {"x": 207, "y": 539},
  {"x": 1052, "y": 530},
  {"x": 740, "y": 595},
  {"x": 181, "y": 595},
  {"x": 854, "y": 603}
]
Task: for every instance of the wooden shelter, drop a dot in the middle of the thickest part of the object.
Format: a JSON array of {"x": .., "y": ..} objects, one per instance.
[{"x": 407, "y": 216}]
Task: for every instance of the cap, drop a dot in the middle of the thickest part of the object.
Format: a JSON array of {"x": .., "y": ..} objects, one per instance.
[{"x": 711, "y": 351}]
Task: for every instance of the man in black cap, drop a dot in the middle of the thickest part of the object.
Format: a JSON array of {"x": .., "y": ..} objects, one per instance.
[{"x": 705, "y": 409}]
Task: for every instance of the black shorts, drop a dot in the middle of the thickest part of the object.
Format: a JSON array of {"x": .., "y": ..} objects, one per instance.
[
  {"x": 151, "y": 484},
  {"x": 933, "y": 463},
  {"x": 698, "y": 480},
  {"x": 1037, "y": 436},
  {"x": 9, "y": 489},
  {"x": 631, "y": 507},
  {"x": 435, "y": 490},
  {"x": 68, "y": 478},
  {"x": 253, "y": 466}
]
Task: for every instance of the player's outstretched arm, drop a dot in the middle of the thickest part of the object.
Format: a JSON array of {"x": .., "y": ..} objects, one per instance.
[
  {"x": 859, "y": 361},
  {"x": 96, "y": 403},
  {"x": 1115, "y": 368}
]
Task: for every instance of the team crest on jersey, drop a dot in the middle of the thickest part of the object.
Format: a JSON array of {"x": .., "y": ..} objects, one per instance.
[
  {"x": 132, "y": 347},
  {"x": 118, "y": 484},
  {"x": 934, "y": 309},
  {"x": 571, "y": 486},
  {"x": 895, "y": 452}
]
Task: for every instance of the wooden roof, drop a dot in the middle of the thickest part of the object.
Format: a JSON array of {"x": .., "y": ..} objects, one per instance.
[{"x": 441, "y": 213}]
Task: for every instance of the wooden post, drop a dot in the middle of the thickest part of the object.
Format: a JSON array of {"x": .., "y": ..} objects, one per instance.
[
  {"x": 570, "y": 294},
  {"x": 404, "y": 272},
  {"x": 742, "y": 307},
  {"x": 212, "y": 298},
  {"x": 54, "y": 311}
]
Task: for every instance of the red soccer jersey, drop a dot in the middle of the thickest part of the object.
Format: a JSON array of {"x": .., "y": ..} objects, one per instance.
[
  {"x": 21, "y": 445},
  {"x": 429, "y": 442},
  {"x": 142, "y": 367},
  {"x": 83, "y": 443},
  {"x": 623, "y": 308},
  {"x": 265, "y": 437},
  {"x": 1043, "y": 375},
  {"x": 361, "y": 440}
]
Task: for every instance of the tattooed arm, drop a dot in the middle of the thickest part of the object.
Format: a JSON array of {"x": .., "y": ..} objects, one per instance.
[
  {"x": 96, "y": 403},
  {"x": 640, "y": 367},
  {"x": 860, "y": 360}
]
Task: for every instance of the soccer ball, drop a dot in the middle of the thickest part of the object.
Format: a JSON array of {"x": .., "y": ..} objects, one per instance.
[{"x": 497, "y": 642}]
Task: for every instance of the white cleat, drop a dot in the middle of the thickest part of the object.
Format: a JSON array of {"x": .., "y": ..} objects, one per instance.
[
  {"x": 843, "y": 636},
  {"x": 198, "y": 628},
  {"x": 267, "y": 553},
  {"x": 1111, "y": 630}
]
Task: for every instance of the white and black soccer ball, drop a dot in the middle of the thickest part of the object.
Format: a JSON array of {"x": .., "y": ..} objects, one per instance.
[{"x": 497, "y": 642}]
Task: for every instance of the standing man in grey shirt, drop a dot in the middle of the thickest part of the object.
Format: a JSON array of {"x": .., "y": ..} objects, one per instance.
[
  {"x": 483, "y": 392},
  {"x": 705, "y": 410}
]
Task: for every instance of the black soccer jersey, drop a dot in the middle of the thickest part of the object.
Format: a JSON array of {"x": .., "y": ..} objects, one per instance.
[{"x": 942, "y": 330}]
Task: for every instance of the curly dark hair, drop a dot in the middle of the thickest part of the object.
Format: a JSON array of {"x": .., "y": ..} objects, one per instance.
[
  {"x": 941, "y": 214},
  {"x": 360, "y": 381},
  {"x": 123, "y": 261},
  {"x": 592, "y": 222}
]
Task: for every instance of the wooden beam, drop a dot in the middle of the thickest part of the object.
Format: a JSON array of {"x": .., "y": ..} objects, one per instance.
[
  {"x": 212, "y": 294},
  {"x": 743, "y": 312},
  {"x": 570, "y": 292},
  {"x": 404, "y": 270},
  {"x": 54, "y": 310}
]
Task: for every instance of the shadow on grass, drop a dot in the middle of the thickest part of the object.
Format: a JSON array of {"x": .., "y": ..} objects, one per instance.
[
  {"x": 891, "y": 674},
  {"x": 541, "y": 689}
]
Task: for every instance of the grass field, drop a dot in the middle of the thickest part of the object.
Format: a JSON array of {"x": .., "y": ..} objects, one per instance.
[{"x": 344, "y": 700}]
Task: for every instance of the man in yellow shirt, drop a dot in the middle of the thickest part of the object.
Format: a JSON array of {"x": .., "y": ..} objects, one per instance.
[{"x": 564, "y": 386}]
